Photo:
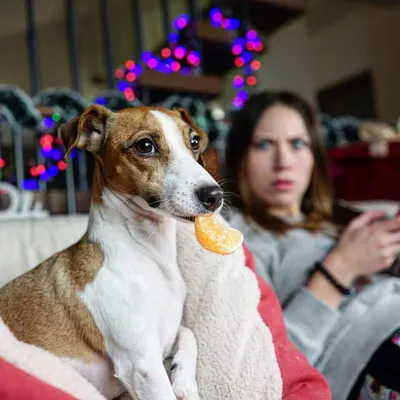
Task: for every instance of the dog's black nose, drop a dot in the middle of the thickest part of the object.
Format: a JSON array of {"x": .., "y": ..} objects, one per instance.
[{"x": 210, "y": 196}]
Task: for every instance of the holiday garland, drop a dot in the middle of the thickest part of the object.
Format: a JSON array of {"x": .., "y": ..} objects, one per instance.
[
  {"x": 21, "y": 105},
  {"x": 21, "y": 112}
]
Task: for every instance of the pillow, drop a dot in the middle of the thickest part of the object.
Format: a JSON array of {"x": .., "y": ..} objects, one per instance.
[{"x": 26, "y": 243}]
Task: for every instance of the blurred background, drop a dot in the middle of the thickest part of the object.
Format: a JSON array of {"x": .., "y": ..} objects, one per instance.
[{"x": 60, "y": 56}]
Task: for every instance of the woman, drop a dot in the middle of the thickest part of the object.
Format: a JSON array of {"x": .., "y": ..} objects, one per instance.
[{"x": 276, "y": 161}]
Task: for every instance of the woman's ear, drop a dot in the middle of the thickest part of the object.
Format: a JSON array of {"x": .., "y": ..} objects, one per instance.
[{"x": 88, "y": 132}]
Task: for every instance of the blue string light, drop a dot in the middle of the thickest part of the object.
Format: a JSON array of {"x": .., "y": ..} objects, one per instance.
[
  {"x": 51, "y": 151},
  {"x": 30, "y": 184},
  {"x": 52, "y": 171},
  {"x": 101, "y": 101},
  {"x": 179, "y": 58},
  {"x": 48, "y": 122}
]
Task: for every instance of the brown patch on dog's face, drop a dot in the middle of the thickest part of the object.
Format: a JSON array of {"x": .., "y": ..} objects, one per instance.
[
  {"x": 135, "y": 156},
  {"x": 138, "y": 150}
]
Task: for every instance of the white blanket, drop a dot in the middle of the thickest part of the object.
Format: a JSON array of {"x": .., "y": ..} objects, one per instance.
[{"x": 236, "y": 358}]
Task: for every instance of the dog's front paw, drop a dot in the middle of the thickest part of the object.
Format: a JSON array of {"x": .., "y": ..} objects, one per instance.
[{"x": 185, "y": 389}]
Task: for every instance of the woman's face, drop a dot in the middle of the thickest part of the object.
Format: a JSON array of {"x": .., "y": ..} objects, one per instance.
[{"x": 280, "y": 161}]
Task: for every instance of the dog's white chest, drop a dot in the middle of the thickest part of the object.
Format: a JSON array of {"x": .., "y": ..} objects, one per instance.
[{"x": 133, "y": 298}]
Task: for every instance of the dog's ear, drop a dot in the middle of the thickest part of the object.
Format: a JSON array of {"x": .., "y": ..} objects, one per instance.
[
  {"x": 183, "y": 114},
  {"x": 87, "y": 132}
]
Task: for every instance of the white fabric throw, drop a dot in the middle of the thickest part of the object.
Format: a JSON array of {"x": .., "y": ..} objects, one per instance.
[{"x": 236, "y": 355}]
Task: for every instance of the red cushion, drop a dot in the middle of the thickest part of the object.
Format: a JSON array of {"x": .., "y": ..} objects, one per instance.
[
  {"x": 16, "y": 384},
  {"x": 359, "y": 175}
]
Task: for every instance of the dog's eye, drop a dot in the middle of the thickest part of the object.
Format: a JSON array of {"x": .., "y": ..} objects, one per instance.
[
  {"x": 145, "y": 146},
  {"x": 195, "y": 143}
]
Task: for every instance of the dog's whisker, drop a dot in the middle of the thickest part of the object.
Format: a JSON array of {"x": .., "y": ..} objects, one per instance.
[
  {"x": 222, "y": 182},
  {"x": 226, "y": 201},
  {"x": 231, "y": 194},
  {"x": 226, "y": 209}
]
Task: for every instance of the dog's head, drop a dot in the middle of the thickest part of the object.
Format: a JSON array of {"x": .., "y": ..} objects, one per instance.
[{"x": 149, "y": 155}]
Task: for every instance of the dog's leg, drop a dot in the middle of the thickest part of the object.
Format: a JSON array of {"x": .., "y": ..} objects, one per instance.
[
  {"x": 183, "y": 366},
  {"x": 144, "y": 376}
]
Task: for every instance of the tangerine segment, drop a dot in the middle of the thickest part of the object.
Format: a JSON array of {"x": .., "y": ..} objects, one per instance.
[{"x": 215, "y": 236}]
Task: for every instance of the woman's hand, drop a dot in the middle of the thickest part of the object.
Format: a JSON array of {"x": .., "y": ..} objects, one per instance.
[{"x": 365, "y": 247}]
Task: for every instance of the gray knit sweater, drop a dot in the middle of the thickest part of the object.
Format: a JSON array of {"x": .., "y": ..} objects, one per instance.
[{"x": 337, "y": 342}]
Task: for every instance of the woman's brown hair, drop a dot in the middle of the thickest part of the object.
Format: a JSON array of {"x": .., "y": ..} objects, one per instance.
[{"x": 317, "y": 202}]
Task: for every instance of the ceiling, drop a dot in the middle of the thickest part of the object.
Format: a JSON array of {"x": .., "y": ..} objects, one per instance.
[{"x": 12, "y": 15}]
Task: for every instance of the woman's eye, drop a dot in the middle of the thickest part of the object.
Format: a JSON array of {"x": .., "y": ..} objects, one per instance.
[
  {"x": 195, "y": 143},
  {"x": 262, "y": 145},
  {"x": 298, "y": 144},
  {"x": 145, "y": 146}
]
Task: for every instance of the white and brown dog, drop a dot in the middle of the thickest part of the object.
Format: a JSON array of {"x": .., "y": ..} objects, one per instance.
[{"x": 112, "y": 304}]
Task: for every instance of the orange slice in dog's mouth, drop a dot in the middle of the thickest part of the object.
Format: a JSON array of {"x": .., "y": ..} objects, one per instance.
[{"x": 215, "y": 236}]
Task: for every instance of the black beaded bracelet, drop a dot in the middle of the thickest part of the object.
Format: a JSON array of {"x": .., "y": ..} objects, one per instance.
[{"x": 342, "y": 289}]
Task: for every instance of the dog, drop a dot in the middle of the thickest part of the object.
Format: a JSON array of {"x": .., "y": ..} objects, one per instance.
[{"x": 111, "y": 305}]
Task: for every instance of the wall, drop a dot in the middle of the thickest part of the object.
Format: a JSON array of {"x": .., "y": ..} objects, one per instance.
[
  {"x": 383, "y": 42},
  {"x": 287, "y": 64},
  {"x": 337, "y": 42},
  {"x": 333, "y": 41},
  {"x": 347, "y": 37}
]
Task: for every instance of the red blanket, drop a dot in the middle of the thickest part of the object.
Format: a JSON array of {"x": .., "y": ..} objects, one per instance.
[
  {"x": 300, "y": 380},
  {"x": 16, "y": 384}
]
